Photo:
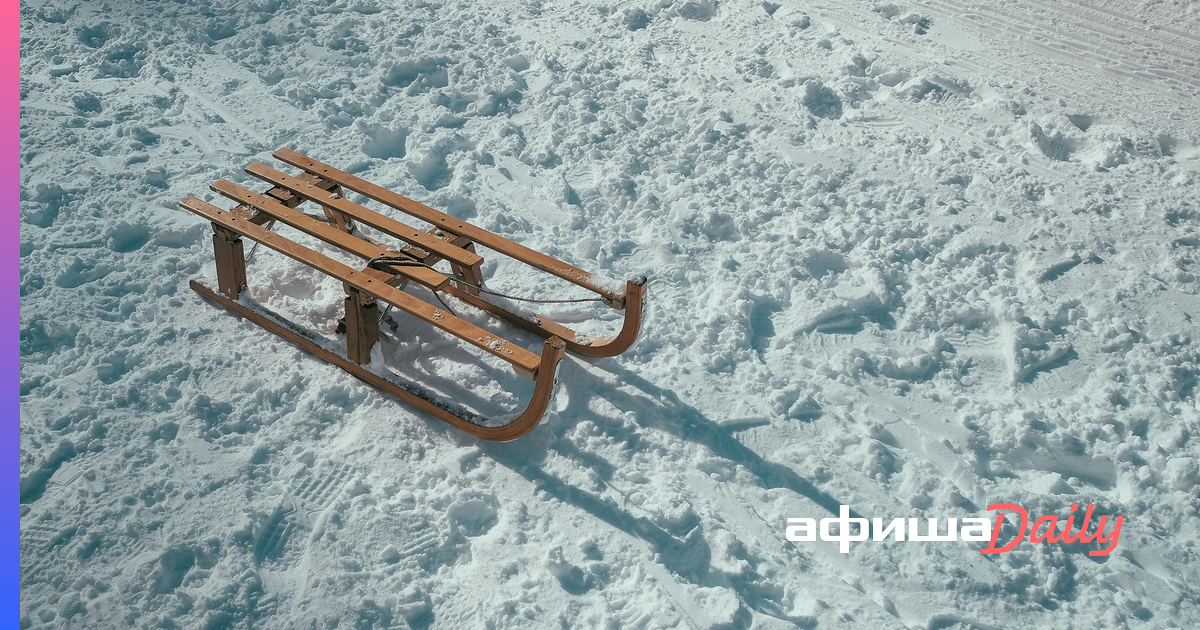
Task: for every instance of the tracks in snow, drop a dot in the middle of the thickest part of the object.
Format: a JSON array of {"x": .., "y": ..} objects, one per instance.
[
  {"x": 311, "y": 493},
  {"x": 1164, "y": 60}
]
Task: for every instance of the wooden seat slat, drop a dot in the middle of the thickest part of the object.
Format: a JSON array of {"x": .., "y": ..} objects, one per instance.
[
  {"x": 428, "y": 277},
  {"x": 365, "y": 215},
  {"x": 450, "y": 224},
  {"x": 524, "y": 362}
]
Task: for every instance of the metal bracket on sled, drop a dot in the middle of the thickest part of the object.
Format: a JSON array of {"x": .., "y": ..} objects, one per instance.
[{"x": 389, "y": 270}]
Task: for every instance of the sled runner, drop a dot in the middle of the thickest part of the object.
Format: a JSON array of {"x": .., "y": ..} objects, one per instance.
[{"x": 387, "y": 271}]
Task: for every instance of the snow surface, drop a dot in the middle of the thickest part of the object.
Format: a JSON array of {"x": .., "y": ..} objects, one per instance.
[{"x": 914, "y": 258}]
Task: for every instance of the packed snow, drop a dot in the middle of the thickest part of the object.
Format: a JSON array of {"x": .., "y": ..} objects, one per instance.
[{"x": 912, "y": 258}]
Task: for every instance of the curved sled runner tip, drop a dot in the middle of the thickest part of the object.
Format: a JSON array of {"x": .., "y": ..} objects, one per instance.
[
  {"x": 543, "y": 386},
  {"x": 635, "y": 293}
]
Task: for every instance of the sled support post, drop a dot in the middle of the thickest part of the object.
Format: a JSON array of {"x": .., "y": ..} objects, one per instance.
[
  {"x": 337, "y": 219},
  {"x": 231, "y": 261},
  {"x": 472, "y": 275},
  {"x": 362, "y": 326}
]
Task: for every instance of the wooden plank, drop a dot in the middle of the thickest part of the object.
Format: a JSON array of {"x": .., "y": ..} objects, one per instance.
[
  {"x": 450, "y": 224},
  {"x": 357, "y": 246},
  {"x": 543, "y": 388},
  {"x": 366, "y": 216},
  {"x": 286, "y": 197},
  {"x": 519, "y": 357}
]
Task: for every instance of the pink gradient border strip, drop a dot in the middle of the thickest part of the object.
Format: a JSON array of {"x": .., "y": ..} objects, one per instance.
[{"x": 10, "y": 312}]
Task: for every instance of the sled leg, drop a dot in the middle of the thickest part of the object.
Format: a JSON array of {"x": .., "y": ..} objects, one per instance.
[
  {"x": 339, "y": 220},
  {"x": 362, "y": 326},
  {"x": 231, "y": 261},
  {"x": 471, "y": 275}
]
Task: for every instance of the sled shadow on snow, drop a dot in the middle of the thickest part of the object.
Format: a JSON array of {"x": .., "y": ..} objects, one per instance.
[{"x": 681, "y": 547}]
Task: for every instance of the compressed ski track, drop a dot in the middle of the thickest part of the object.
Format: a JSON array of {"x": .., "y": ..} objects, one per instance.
[{"x": 1089, "y": 39}]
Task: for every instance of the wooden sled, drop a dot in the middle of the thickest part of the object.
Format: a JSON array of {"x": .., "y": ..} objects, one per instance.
[{"x": 388, "y": 270}]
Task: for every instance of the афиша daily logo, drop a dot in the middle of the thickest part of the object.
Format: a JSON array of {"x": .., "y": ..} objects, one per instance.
[{"x": 1045, "y": 529}]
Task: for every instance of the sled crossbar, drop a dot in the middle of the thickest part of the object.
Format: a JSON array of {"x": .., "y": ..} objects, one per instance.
[{"x": 387, "y": 270}]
